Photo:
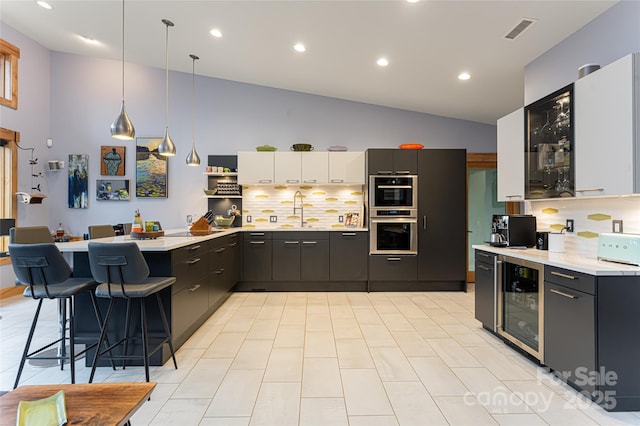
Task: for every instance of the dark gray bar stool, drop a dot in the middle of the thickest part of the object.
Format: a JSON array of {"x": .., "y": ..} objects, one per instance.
[
  {"x": 124, "y": 274},
  {"x": 42, "y": 268}
]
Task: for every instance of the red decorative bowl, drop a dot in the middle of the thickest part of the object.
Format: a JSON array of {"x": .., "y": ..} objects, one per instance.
[{"x": 411, "y": 146}]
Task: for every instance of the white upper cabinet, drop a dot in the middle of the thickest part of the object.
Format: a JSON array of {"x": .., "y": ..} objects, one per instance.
[
  {"x": 255, "y": 167},
  {"x": 606, "y": 129},
  {"x": 288, "y": 167},
  {"x": 510, "y": 147},
  {"x": 315, "y": 167},
  {"x": 347, "y": 167}
]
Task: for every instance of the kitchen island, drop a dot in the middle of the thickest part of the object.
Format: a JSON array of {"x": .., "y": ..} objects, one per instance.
[{"x": 583, "y": 312}]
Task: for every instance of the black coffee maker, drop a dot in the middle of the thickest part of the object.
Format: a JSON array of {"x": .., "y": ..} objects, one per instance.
[{"x": 515, "y": 230}]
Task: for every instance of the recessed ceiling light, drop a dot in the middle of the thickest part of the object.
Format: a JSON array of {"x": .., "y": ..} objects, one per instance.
[
  {"x": 413, "y": 1},
  {"x": 464, "y": 76},
  {"x": 299, "y": 47},
  {"x": 383, "y": 62},
  {"x": 216, "y": 33},
  {"x": 44, "y": 5},
  {"x": 89, "y": 40}
]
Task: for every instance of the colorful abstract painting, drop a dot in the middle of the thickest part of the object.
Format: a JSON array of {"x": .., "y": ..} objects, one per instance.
[
  {"x": 112, "y": 160},
  {"x": 112, "y": 190},
  {"x": 78, "y": 181},
  {"x": 151, "y": 169}
]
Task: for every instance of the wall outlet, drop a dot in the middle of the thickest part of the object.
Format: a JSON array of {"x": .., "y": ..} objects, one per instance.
[
  {"x": 340, "y": 218},
  {"x": 569, "y": 225},
  {"x": 273, "y": 219},
  {"x": 248, "y": 218},
  {"x": 616, "y": 226}
]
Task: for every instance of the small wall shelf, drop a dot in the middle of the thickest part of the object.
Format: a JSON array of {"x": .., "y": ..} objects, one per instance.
[{"x": 223, "y": 196}]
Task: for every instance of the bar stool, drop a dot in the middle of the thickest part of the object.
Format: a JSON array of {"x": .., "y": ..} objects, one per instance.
[
  {"x": 101, "y": 231},
  {"x": 124, "y": 274},
  {"x": 43, "y": 269}
]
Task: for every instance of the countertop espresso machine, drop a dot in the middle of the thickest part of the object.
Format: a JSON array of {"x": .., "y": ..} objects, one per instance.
[{"x": 513, "y": 231}]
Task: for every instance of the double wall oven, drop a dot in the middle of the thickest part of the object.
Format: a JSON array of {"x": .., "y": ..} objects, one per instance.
[{"x": 393, "y": 206}]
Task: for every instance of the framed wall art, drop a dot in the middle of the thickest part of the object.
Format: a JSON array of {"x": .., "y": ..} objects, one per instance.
[
  {"x": 112, "y": 190},
  {"x": 112, "y": 160},
  {"x": 78, "y": 181},
  {"x": 151, "y": 169}
]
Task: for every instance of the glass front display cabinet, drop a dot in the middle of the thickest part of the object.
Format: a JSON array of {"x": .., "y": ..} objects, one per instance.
[{"x": 549, "y": 146}]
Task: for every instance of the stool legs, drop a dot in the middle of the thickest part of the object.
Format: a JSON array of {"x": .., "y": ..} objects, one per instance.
[
  {"x": 167, "y": 330},
  {"x": 25, "y": 353},
  {"x": 103, "y": 333}
]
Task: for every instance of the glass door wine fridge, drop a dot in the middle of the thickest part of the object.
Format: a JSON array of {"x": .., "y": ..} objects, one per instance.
[{"x": 521, "y": 305}]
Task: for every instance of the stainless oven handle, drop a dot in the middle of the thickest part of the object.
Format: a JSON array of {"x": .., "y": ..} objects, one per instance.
[
  {"x": 562, "y": 293},
  {"x": 394, "y": 186},
  {"x": 497, "y": 288}
]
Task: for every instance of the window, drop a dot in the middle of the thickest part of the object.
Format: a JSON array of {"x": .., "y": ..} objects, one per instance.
[
  {"x": 9, "y": 177},
  {"x": 9, "y": 55}
]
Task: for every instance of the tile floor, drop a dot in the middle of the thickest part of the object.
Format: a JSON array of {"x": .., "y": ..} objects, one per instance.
[{"x": 333, "y": 359}]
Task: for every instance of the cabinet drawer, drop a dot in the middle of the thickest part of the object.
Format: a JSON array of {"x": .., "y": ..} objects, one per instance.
[
  {"x": 258, "y": 235},
  {"x": 187, "y": 307},
  {"x": 190, "y": 270},
  {"x": 572, "y": 279},
  {"x": 485, "y": 257},
  {"x": 393, "y": 268},
  {"x": 193, "y": 250}
]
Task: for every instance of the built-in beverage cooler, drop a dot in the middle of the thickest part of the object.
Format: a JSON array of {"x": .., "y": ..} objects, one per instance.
[{"x": 520, "y": 305}]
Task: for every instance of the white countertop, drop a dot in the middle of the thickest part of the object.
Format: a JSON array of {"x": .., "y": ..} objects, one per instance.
[
  {"x": 587, "y": 265},
  {"x": 167, "y": 243}
]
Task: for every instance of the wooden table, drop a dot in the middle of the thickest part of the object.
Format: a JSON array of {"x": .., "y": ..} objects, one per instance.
[{"x": 94, "y": 404}]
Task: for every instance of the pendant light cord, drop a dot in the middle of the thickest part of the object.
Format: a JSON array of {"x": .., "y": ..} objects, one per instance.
[
  {"x": 193, "y": 101},
  {"x": 122, "y": 50},
  {"x": 166, "y": 67}
]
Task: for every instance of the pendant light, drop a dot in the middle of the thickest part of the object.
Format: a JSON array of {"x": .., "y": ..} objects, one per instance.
[
  {"x": 122, "y": 128},
  {"x": 166, "y": 147},
  {"x": 193, "y": 159}
]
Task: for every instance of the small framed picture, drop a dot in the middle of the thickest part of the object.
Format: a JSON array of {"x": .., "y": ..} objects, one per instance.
[
  {"x": 112, "y": 160},
  {"x": 112, "y": 190}
]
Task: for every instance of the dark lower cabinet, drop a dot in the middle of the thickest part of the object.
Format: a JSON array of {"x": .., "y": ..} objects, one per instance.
[
  {"x": 591, "y": 335},
  {"x": 348, "y": 256},
  {"x": 314, "y": 258},
  {"x": 256, "y": 256},
  {"x": 286, "y": 258},
  {"x": 224, "y": 268},
  {"x": 486, "y": 289},
  {"x": 392, "y": 268}
]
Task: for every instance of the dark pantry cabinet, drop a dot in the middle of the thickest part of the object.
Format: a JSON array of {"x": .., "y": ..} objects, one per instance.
[
  {"x": 391, "y": 161},
  {"x": 486, "y": 288}
]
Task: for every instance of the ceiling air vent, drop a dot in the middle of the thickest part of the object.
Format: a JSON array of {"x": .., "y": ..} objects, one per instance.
[{"x": 518, "y": 29}]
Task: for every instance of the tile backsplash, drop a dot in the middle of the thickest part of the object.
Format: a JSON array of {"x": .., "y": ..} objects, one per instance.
[
  {"x": 591, "y": 217},
  {"x": 324, "y": 205}
]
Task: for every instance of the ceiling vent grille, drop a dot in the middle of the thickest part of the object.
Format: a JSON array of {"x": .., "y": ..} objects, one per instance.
[{"x": 518, "y": 29}]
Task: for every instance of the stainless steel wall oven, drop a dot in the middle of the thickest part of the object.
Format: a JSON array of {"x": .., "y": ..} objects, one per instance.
[
  {"x": 394, "y": 235},
  {"x": 392, "y": 192}
]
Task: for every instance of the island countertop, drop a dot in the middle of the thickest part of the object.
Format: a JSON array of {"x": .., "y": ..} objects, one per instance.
[
  {"x": 586, "y": 264},
  {"x": 176, "y": 238}
]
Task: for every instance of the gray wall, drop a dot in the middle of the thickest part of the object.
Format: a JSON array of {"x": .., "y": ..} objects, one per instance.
[
  {"x": 610, "y": 36},
  {"x": 230, "y": 117}
]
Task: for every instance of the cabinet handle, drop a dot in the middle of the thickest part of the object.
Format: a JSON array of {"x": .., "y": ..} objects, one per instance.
[
  {"x": 257, "y": 234},
  {"x": 513, "y": 196},
  {"x": 310, "y": 181},
  {"x": 563, "y": 294},
  {"x": 309, "y": 242},
  {"x": 590, "y": 190},
  {"x": 257, "y": 242},
  {"x": 264, "y": 180},
  {"x": 293, "y": 180},
  {"x": 233, "y": 244},
  {"x": 394, "y": 186},
  {"x": 394, "y": 259},
  {"x": 559, "y": 274},
  {"x": 337, "y": 180},
  {"x": 385, "y": 172},
  {"x": 194, "y": 248},
  {"x": 291, "y": 242},
  {"x": 483, "y": 254},
  {"x": 220, "y": 250},
  {"x": 348, "y": 234},
  {"x": 403, "y": 172},
  {"x": 193, "y": 261},
  {"x": 194, "y": 288},
  {"x": 484, "y": 267},
  {"x": 424, "y": 222},
  {"x": 219, "y": 271}
]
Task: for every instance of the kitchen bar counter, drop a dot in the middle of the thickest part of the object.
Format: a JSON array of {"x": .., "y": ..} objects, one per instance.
[
  {"x": 177, "y": 238},
  {"x": 587, "y": 265}
]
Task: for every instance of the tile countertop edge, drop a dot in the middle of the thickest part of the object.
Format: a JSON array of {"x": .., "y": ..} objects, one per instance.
[
  {"x": 587, "y": 265},
  {"x": 168, "y": 243}
]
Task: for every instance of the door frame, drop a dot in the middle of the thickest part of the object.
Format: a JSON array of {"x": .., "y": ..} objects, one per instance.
[{"x": 483, "y": 160}]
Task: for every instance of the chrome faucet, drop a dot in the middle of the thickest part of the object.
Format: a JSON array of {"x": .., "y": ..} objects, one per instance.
[{"x": 298, "y": 194}]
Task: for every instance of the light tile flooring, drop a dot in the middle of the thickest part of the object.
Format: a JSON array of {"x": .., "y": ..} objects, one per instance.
[{"x": 333, "y": 359}]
